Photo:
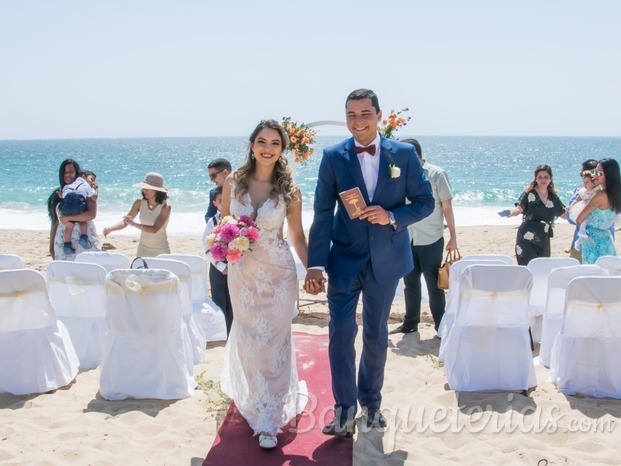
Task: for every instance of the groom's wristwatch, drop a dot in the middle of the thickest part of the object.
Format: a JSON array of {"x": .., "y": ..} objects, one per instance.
[{"x": 391, "y": 219}]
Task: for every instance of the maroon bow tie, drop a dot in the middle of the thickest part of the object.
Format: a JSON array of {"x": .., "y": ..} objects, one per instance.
[{"x": 369, "y": 149}]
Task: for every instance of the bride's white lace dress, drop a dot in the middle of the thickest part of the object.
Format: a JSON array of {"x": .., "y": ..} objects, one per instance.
[{"x": 259, "y": 372}]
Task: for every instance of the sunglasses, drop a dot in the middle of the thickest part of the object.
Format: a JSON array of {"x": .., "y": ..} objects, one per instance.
[
  {"x": 597, "y": 173},
  {"x": 212, "y": 176},
  {"x": 586, "y": 174}
]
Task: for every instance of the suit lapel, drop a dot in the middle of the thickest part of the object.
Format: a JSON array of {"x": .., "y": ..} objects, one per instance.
[
  {"x": 383, "y": 176},
  {"x": 354, "y": 168}
]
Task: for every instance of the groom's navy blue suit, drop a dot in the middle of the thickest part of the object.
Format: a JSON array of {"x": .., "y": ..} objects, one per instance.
[{"x": 363, "y": 257}]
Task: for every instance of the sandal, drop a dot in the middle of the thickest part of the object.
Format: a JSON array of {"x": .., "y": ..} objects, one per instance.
[{"x": 267, "y": 441}]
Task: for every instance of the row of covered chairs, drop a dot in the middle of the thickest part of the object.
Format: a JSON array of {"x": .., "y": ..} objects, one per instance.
[
  {"x": 486, "y": 346},
  {"x": 87, "y": 302}
]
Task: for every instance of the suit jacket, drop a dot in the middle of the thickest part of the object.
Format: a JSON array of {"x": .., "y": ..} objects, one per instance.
[
  {"x": 211, "y": 210},
  {"x": 343, "y": 245}
]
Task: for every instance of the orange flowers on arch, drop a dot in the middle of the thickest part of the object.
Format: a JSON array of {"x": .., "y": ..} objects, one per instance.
[{"x": 300, "y": 139}]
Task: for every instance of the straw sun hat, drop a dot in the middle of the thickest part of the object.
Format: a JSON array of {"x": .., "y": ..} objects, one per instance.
[{"x": 153, "y": 181}]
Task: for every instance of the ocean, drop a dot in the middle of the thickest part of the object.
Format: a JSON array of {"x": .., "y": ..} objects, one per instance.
[{"x": 487, "y": 173}]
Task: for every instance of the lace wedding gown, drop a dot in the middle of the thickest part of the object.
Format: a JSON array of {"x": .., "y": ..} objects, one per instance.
[{"x": 259, "y": 372}]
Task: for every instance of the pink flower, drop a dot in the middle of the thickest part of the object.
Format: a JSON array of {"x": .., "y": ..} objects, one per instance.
[
  {"x": 234, "y": 255},
  {"x": 246, "y": 219},
  {"x": 216, "y": 229},
  {"x": 252, "y": 234},
  {"x": 229, "y": 232},
  {"x": 219, "y": 251}
]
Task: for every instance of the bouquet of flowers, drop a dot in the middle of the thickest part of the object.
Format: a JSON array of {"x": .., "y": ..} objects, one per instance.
[
  {"x": 300, "y": 137},
  {"x": 394, "y": 121},
  {"x": 231, "y": 238}
]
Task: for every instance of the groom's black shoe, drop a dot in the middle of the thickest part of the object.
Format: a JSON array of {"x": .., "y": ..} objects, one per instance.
[
  {"x": 340, "y": 427},
  {"x": 373, "y": 418},
  {"x": 403, "y": 328}
]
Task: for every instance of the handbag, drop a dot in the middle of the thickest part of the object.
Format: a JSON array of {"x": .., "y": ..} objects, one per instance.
[
  {"x": 142, "y": 266},
  {"x": 444, "y": 270}
]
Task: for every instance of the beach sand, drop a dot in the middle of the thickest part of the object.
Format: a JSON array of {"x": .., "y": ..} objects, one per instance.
[{"x": 428, "y": 422}]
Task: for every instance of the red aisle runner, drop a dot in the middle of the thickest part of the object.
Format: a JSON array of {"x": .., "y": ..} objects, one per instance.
[{"x": 301, "y": 443}]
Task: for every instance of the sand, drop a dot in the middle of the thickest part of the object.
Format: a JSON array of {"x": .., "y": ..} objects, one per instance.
[{"x": 429, "y": 423}]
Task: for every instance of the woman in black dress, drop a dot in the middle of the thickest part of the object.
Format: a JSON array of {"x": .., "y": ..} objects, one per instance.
[{"x": 540, "y": 206}]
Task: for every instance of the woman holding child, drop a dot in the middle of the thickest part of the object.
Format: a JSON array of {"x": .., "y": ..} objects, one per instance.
[
  {"x": 73, "y": 232},
  {"x": 600, "y": 213},
  {"x": 259, "y": 372}
]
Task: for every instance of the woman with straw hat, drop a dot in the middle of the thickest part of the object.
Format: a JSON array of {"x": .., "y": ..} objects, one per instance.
[{"x": 154, "y": 211}]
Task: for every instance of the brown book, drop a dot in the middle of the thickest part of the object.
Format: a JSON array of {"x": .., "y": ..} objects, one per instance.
[{"x": 353, "y": 201}]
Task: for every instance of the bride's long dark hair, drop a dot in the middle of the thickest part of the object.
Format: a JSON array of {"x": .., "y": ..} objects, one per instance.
[{"x": 282, "y": 178}]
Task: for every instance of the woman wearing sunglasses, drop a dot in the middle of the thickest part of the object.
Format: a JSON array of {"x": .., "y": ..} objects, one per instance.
[{"x": 600, "y": 213}]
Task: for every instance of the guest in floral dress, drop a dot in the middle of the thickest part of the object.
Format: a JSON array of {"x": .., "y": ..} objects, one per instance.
[
  {"x": 540, "y": 206},
  {"x": 600, "y": 213}
]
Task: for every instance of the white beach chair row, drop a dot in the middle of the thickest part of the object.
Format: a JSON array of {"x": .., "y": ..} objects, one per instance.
[
  {"x": 485, "y": 343},
  {"x": 96, "y": 311}
]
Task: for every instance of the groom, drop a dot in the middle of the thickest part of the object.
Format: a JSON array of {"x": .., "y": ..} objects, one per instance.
[{"x": 367, "y": 254}]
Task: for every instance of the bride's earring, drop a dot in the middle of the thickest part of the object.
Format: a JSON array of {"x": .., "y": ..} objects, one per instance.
[{"x": 252, "y": 155}]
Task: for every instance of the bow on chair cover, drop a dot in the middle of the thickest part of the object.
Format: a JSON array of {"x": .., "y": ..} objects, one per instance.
[
  {"x": 452, "y": 299},
  {"x": 206, "y": 313},
  {"x": 555, "y": 304},
  {"x": 36, "y": 351},
  {"x": 489, "y": 346},
  {"x": 146, "y": 354},
  {"x": 585, "y": 356},
  {"x": 195, "y": 334},
  {"x": 78, "y": 293}
]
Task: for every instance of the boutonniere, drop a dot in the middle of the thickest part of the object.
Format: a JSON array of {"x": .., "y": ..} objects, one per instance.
[{"x": 394, "y": 171}]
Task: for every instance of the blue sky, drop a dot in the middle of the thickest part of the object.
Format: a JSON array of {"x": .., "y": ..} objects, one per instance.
[{"x": 76, "y": 69}]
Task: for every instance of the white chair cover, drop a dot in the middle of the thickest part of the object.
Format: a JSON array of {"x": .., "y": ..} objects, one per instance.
[
  {"x": 489, "y": 346},
  {"x": 207, "y": 313},
  {"x": 508, "y": 260},
  {"x": 452, "y": 299},
  {"x": 184, "y": 273},
  {"x": 612, "y": 264},
  {"x": 586, "y": 351},
  {"x": 36, "y": 354},
  {"x": 78, "y": 293},
  {"x": 541, "y": 267},
  {"x": 146, "y": 354},
  {"x": 108, "y": 260},
  {"x": 555, "y": 304},
  {"x": 11, "y": 261}
]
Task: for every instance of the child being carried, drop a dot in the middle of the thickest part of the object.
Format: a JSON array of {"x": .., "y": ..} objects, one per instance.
[{"x": 73, "y": 202}]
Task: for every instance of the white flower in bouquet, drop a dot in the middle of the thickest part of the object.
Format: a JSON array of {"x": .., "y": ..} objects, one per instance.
[
  {"x": 210, "y": 239},
  {"x": 241, "y": 243},
  {"x": 228, "y": 219}
]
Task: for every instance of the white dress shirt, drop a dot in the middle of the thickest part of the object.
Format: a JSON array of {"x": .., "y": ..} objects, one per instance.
[{"x": 370, "y": 166}]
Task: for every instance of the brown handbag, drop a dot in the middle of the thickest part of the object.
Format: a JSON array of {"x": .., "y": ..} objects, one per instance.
[{"x": 444, "y": 270}]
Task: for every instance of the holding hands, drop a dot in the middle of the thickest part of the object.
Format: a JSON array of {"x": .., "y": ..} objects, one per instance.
[{"x": 315, "y": 282}]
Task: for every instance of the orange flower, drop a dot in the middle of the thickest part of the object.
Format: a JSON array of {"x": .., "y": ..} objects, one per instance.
[
  {"x": 393, "y": 123},
  {"x": 300, "y": 137}
]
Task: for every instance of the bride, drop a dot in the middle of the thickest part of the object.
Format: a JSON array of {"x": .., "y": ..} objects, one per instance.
[{"x": 259, "y": 371}]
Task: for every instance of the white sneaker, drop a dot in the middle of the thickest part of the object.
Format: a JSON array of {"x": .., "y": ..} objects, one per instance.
[{"x": 267, "y": 441}]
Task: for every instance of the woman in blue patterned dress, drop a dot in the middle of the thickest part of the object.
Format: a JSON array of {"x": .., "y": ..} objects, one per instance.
[
  {"x": 540, "y": 206},
  {"x": 600, "y": 213}
]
